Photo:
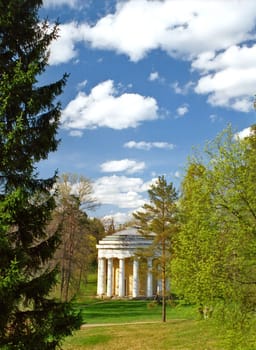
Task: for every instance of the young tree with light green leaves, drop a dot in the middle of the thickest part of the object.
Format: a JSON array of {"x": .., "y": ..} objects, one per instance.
[
  {"x": 214, "y": 259},
  {"x": 29, "y": 119},
  {"x": 159, "y": 217}
]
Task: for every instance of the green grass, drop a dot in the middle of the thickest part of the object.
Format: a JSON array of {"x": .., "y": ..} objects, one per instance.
[
  {"x": 88, "y": 290},
  {"x": 116, "y": 325},
  {"x": 173, "y": 335},
  {"x": 117, "y": 311}
]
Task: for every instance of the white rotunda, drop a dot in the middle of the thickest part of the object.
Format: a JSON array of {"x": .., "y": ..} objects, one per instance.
[{"x": 121, "y": 272}]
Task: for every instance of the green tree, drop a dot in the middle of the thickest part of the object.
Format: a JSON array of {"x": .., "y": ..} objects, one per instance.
[
  {"x": 29, "y": 118},
  {"x": 96, "y": 227},
  {"x": 214, "y": 259},
  {"x": 159, "y": 217}
]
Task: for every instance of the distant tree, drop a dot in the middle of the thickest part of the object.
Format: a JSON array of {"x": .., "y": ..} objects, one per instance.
[
  {"x": 214, "y": 259},
  {"x": 96, "y": 227},
  {"x": 78, "y": 243},
  {"x": 29, "y": 118},
  {"x": 159, "y": 217},
  {"x": 109, "y": 225}
]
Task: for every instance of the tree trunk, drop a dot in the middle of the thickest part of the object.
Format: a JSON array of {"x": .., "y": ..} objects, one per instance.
[
  {"x": 163, "y": 295},
  {"x": 163, "y": 282}
]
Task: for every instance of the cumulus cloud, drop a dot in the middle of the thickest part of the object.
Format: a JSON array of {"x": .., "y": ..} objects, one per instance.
[
  {"x": 243, "y": 133},
  {"x": 232, "y": 88},
  {"x": 126, "y": 165},
  {"x": 149, "y": 145},
  {"x": 63, "y": 49},
  {"x": 184, "y": 29},
  {"x": 138, "y": 26},
  {"x": 235, "y": 56},
  {"x": 103, "y": 107},
  {"x": 121, "y": 191},
  {"x": 229, "y": 78}
]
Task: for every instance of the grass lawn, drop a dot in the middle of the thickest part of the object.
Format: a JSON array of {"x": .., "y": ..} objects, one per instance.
[
  {"x": 117, "y": 311},
  {"x": 173, "y": 335},
  {"x": 111, "y": 324}
]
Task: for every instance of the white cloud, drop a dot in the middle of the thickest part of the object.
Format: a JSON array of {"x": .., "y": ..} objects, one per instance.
[
  {"x": 70, "y": 3},
  {"x": 234, "y": 56},
  {"x": 148, "y": 145},
  {"x": 231, "y": 87},
  {"x": 63, "y": 49},
  {"x": 48, "y": 3},
  {"x": 229, "y": 77},
  {"x": 82, "y": 84},
  {"x": 104, "y": 108},
  {"x": 76, "y": 133},
  {"x": 138, "y": 26},
  {"x": 121, "y": 191},
  {"x": 183, "y": 90},
  {"x": 119, "y": 218},
  {"x": 243, "y": 134},
  {"x": 185, "y": 29},
  {"x": 153, "y": 76},
  {"x": 182, "y": 110},
  {"x": 126, "y": 165}
]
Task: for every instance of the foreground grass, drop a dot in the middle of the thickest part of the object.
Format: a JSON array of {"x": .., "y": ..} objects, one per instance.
[
  {"x": 173, "y": 335},
  {"x": 116, "y": 325},
  {"x": 136, "y": 325}
]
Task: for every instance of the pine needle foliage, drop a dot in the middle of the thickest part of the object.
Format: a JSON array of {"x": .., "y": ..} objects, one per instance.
[{"x": 158, "y": 220}]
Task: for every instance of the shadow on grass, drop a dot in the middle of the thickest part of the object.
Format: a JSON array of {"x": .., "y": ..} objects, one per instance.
[{"x": 118, "y": 311}]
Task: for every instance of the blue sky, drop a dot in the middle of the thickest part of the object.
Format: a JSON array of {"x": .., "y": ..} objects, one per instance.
[{"x": 149, "y": 80}]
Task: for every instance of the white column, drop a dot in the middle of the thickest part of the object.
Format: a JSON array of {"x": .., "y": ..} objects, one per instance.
[
  {"x": 159, "y": 287},
  {"x": 101, "y": 276},
  {"x": 159, "y": 281},
  {"x": 149, "y": 279},
  {"x": 110, "y": 278},
  {"x": 135, "y": 287},
  {"x": 121, "y": 278}
]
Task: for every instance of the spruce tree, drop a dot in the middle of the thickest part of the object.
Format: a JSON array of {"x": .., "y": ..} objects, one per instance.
[{"x": 29, "y": 119}]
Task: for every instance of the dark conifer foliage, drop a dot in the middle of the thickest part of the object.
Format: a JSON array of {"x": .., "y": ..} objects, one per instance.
[{"x": 29, "y": 119}]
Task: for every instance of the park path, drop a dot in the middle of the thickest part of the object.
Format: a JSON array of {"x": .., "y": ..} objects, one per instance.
[{"x": 91, "y": 325}]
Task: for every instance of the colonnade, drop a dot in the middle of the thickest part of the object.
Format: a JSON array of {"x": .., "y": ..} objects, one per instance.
[{"x": 105, "y": 282}]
